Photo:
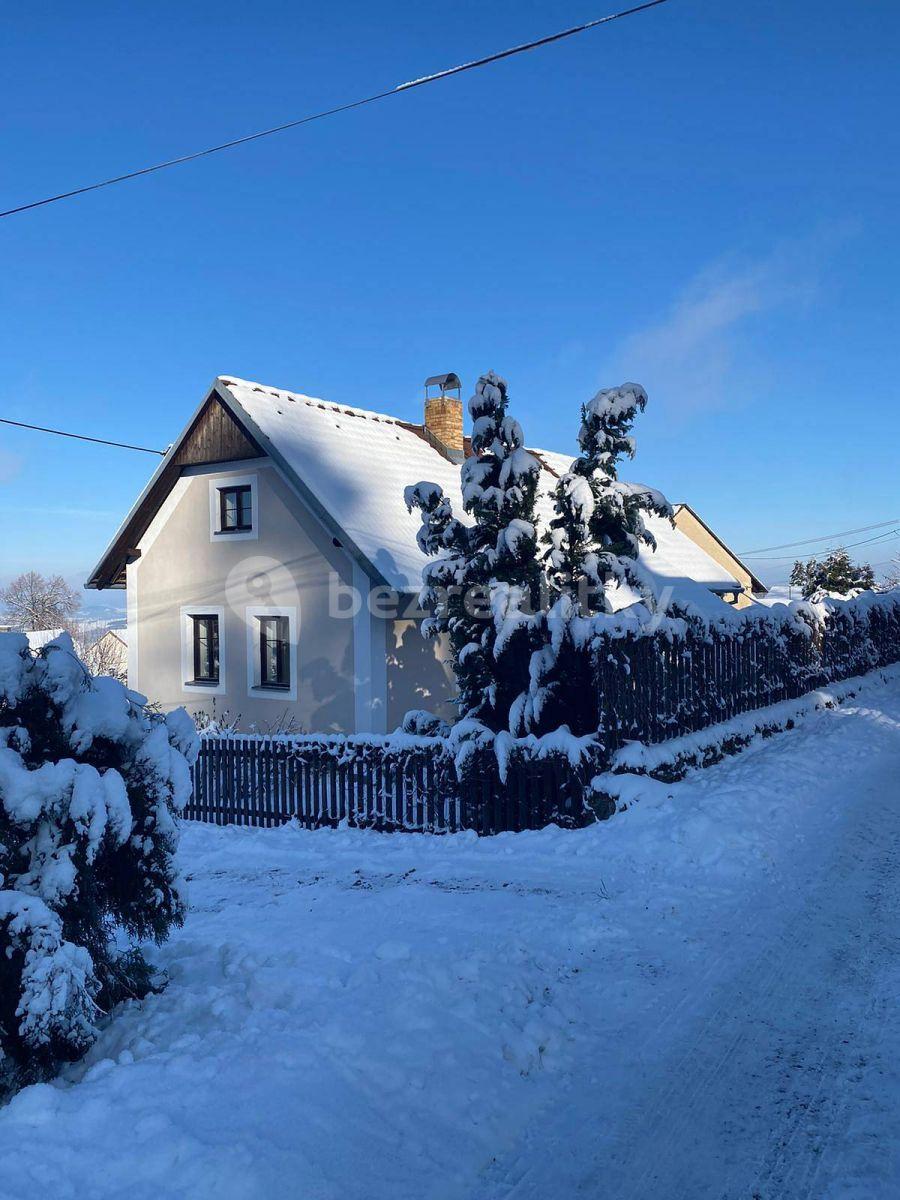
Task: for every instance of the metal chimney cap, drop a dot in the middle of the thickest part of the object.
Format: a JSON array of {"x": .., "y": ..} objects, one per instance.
[{"x": 448, "y": 382}]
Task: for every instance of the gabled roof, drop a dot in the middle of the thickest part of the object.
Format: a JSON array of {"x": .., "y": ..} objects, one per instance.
[
  {"x": 756, "y": 584},
  {"x": 351, "y": 466},
  {"x": 213, "y": 434}
]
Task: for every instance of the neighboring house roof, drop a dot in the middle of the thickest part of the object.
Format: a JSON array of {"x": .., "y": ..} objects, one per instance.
[
  {"x": 732, "y": 562},
  {"x": 352, "y": 466},
  {"x": 118, "y": 635}
]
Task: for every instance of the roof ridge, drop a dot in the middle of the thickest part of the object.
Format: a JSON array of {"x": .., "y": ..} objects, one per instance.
[{"x": 351, "y": 410}]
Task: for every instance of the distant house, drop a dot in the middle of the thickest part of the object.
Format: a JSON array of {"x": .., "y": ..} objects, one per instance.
[
  {"x": 693, "y": 526},
  {"x": 110, "y": 653},
  {"x": 272, "y": 568}
]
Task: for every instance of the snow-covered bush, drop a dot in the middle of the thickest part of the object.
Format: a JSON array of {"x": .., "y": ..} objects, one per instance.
[
  {"x": 523, "y": 659},
  {"x": 422, "y": 723},
  {"x": 90, "y": 786}
]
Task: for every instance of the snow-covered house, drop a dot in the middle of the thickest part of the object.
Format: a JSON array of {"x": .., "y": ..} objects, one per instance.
[
  {"x": 691, "y": 524},
  {"x": 271, "y": 565},
  {"x": 111, "y": 650}
]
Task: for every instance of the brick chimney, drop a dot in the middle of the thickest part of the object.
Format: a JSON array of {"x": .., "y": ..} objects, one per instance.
[{"x": 444, "y": 415}]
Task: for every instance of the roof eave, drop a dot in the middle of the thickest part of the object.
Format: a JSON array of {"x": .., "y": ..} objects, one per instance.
[
  {"x": 103, "y": 574},
  {"x": 100, "y": 579}
]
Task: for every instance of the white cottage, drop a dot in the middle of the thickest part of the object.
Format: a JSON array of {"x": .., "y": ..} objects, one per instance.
[{"x": 271, "y": 566}]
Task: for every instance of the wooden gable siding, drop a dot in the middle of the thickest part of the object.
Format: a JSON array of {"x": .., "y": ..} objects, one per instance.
[{"x": 215, "y": 436}]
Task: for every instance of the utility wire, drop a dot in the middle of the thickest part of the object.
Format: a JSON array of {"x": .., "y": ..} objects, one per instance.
[
  {"x": 881, "y": 537},
  {"x": 826, "y": 537},
  {"x": 340, "y": 108},
  {"x": 81, "y": 437}
]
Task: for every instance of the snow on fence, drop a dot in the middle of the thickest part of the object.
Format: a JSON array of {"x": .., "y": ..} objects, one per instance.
[
  {"x": 684, "y": 676},
  {"x": 654, "y": 682}
]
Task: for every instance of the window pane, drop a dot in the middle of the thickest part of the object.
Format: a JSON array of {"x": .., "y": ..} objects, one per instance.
[
  {"x": 235, "y": 508},
  {"x": 245, "y": 512},
  {"x": 206, "y": 649},
  {"x": 273, "y": 652}
]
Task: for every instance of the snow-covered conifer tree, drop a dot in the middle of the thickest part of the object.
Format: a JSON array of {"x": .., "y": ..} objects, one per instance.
[
  {"x": 483, "y": 591},
  {"x": 90, "y": 784},
  {"x": 836, "y": 574},
  {"x": 591, "y": 558},
  {"x": 598, "y": 526}
]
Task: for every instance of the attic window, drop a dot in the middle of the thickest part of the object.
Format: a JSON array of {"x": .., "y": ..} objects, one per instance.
[{"x": 235, "y": 509}]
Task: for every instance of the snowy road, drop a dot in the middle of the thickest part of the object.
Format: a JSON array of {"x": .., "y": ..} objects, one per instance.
[
  {"x": 697, "y": 1000},
  {"x": 776, "y": 1071}
]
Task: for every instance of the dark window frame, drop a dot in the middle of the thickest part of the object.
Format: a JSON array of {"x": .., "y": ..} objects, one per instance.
[
  {"x": 243, "y": 508},
  {"x": 275, "y": 629},
  {"x": 210, "y": 672}
]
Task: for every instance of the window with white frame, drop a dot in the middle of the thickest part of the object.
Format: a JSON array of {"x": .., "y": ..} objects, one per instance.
[
  {"x": 202, "y": 649},
  {"x": 233, "y": 508},
  {"x": 272, "y": 652}
]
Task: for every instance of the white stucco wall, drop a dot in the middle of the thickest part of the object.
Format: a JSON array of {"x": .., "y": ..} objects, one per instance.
[{"x": 348, "y": 674}]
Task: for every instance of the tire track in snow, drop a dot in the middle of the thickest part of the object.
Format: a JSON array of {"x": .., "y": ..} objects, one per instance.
[{"x": 754, "y": 1104}]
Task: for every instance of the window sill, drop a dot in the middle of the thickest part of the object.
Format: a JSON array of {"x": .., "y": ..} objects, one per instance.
[
  {"x": 236, "y": 529},
  {"x": 205, "y": 683}
]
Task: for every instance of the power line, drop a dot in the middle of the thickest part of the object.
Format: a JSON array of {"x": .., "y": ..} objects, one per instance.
[
  {"x": 340, "y": 108},
  {"x": 826, "y": 537},
  {"x": 81, "y": 437},
  {"x": 881, "y": 538}
]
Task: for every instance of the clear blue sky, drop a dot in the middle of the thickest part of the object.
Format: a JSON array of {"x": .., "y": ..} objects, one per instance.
[{"x": 702, "y": 198}]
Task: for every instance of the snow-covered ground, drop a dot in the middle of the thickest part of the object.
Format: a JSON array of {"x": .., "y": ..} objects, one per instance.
[{"x": 696, "y": 999}]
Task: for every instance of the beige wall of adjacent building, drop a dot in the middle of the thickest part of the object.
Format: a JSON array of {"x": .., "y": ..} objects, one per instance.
[
  {"x": 691, "y": 527},
  {"x": 349, "y": 673}
]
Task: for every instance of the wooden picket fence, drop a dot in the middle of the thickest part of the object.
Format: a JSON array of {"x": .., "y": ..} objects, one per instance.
[
  {"x": 265, "y": 781},
  {"x": 660, "y": 686}
]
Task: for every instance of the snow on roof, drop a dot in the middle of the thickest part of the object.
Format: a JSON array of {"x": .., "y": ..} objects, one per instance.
[
  {"x": 357, "y": 464},
  {"x": 676, "y": 558},
  {"x": 119, "y": 633},
  {"x": 38, "y": 638}
]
